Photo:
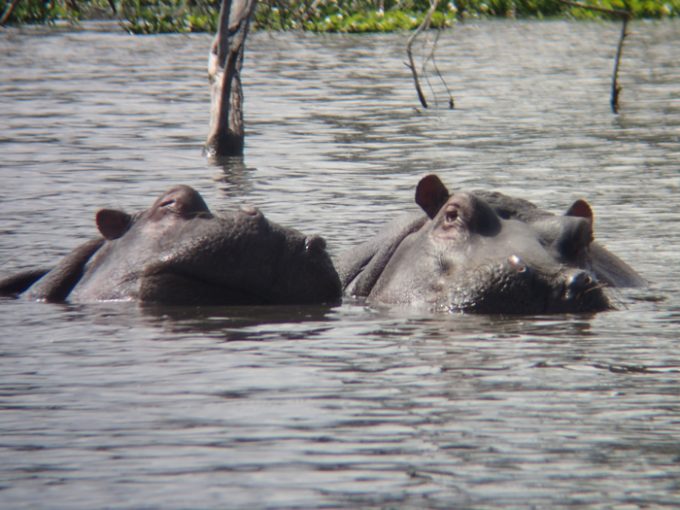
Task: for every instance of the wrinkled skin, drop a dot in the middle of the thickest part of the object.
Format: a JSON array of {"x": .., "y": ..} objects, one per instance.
[
  {"x": 178, "y": 252},
  {"x": 467, "y": 254}
]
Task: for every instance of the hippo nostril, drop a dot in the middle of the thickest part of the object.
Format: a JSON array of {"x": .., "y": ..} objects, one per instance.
[
  {"x": 579, "y": 280},
  {"x": 315, "y": 244},
  {"x": 577, "y": 283}
]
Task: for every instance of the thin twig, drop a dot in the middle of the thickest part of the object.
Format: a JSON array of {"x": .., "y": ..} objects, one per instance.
[
  {"x": 423, "y": 67},
  {"x": 409, "y": 50},
  {"x": 625, "y": 18},
  {"x": 451, "y": 102},
  {"x": 616, "y": 88},
  {"x": 580, "y": 5}
]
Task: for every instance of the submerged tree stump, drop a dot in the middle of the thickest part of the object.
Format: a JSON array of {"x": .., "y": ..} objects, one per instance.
[{"x": 226, "y": 133}]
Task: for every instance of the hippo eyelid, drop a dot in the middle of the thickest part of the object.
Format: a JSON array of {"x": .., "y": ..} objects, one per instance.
[
  {"x": 249, "y": 210},
  {"x": 451, "y": 216}
]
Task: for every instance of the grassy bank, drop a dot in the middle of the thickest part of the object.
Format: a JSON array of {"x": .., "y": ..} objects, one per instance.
[{"x": 159, "y": 16}]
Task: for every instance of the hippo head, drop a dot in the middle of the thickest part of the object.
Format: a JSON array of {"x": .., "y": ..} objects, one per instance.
[
  {"x": 178, "y": 252},
  {"x": 467, "y": 258}
]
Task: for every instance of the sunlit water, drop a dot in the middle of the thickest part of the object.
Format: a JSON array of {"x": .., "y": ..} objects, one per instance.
[{"x": 117, "y": 406}]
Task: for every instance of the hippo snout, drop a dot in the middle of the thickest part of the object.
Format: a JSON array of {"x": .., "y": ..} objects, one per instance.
[
  {"x": 579, "y": 282},
  {"x": 583, "y": 291}
]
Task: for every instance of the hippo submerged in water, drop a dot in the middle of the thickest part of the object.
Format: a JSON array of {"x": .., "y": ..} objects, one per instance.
[
  {"x": 178, "y": 252},
  {"x": 486, "y": 253}
]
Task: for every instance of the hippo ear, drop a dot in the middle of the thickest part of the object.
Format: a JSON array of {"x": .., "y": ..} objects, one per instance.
[
  {"x": 431, "y": 194},
  {"x": 112, "y": 223},
  {"x": 581, "y": 209},
  {"x": 576, "y": 236}
]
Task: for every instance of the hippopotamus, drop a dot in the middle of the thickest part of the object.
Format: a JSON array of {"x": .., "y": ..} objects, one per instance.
[
  {"x": 485, "y": 252},
  {"x": 178, "y": 252}
]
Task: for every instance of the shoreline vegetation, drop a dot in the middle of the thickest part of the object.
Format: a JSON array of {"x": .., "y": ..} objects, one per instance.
[{"x": 345, "y": 16}]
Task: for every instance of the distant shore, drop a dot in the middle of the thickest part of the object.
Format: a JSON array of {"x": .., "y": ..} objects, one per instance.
[{"x": 183, "y": 16}]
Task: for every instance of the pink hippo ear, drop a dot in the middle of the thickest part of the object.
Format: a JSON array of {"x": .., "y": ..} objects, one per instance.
[
  {"x": 431, "y": 195},
  {"x": 581, "y": 209},
  {"x": 112, "y": 223}
]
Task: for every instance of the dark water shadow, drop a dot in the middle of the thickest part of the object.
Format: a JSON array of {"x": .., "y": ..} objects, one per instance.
[
  {"x": 237, "y": 323},
  {"x": 178, "y": 323}
]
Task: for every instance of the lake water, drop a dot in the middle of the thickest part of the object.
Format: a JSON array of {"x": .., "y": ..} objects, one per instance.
[{"x": 116, "y": 406}]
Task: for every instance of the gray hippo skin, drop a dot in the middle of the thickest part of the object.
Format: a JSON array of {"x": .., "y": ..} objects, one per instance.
[
  {"x": 178, "y": 252},
  {"x": 465, "y": 256},
  {"x": 556, "y": 232}
]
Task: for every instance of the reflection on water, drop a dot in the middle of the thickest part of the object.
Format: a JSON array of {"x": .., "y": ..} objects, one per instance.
[
  {"x": 117, "y": 405},
  {"x": 240, "y": 323}
]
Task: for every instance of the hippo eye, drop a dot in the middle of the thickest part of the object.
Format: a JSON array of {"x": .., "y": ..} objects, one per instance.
[
  {"x": 451, "y": 216},
  {"x": 169, "y": 202}
]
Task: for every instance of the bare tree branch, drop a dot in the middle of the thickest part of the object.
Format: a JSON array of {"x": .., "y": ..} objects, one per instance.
[
  {"x": 616, "y": 88},
  {"x": 581, "y": 5},
  {"x": 409, "y": 50},
  {"x": 431, "y": 57},
  {"x": 625, "y": 17}
]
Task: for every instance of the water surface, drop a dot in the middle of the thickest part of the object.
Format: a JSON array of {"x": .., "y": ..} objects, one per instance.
[{"x": 119, "y": 406}]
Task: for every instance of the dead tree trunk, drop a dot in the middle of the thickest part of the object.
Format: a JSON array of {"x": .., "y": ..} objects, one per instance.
[{"x": 226, "y": 133}]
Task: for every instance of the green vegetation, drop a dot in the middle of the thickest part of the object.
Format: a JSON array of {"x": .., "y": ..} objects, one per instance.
[
  {"x": 349, "y": 15},
  {"x": 31, "y": 11},
  {"x": 162, "y": 16},
  {"x": 157, "y": 16},
  {"x": 136, "y": 16}
]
